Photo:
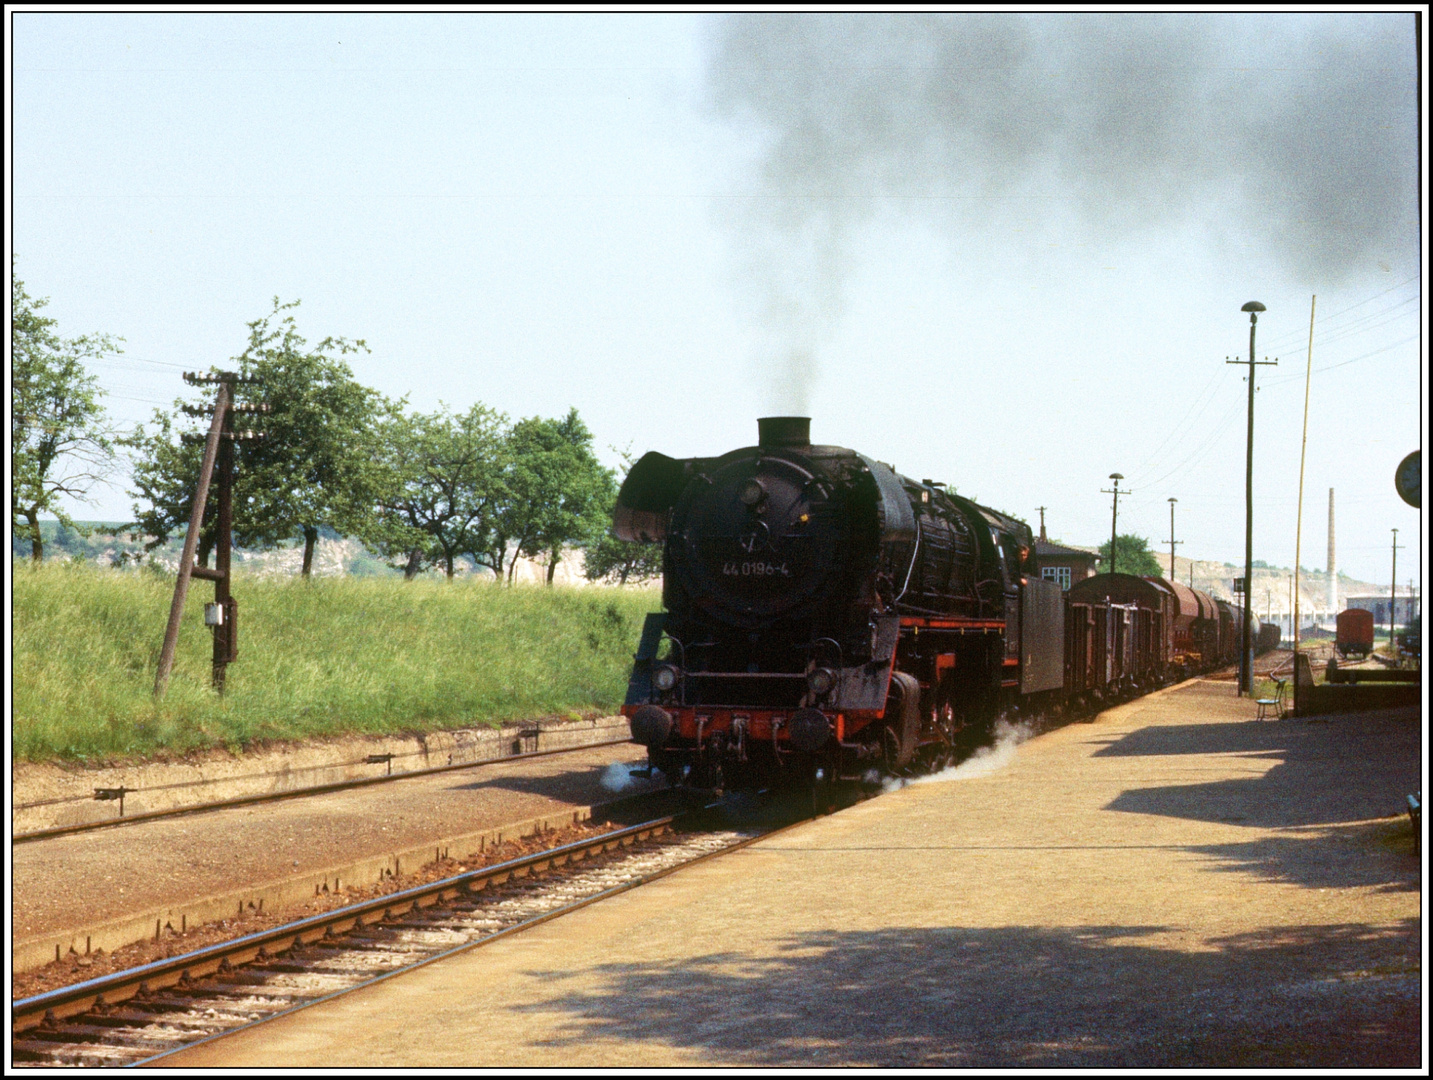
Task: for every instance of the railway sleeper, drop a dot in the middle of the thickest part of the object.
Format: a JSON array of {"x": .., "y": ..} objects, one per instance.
[
  {"x": 73, "y": 1034},
  {"x": 119, "y": 1018},
  {"x": 438, "y": 922},
  {"x": 380, "y": 938},
  {"x": 33, "y": 1050},
  {"x": 143, "y": 1010},
  {"x": 245, "y": 977},
  {"x": 282, "y": 967},
  {"x": 350, "y": 941}
]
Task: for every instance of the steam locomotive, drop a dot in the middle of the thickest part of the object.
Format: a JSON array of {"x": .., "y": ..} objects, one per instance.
[{"x": 827, "y": 617}]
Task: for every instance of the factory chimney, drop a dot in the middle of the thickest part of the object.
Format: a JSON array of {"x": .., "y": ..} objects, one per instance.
[{"x": 1333, "y": 565}]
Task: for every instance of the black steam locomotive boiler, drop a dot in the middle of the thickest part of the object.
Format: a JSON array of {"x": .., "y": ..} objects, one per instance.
[{"x": 826, "y": 616}]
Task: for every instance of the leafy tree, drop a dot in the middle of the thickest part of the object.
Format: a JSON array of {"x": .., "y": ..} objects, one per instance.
[
  {"x": 620, "y": 561},
  {"x": 164, "y": 470},
  {"x": 443, "y": 490},
  {"x": 1132, "y": 556},
  {"x": 61, "y": 443},
  {"x": 317, "y": 463},
  {"x": 559, "y": 493}
]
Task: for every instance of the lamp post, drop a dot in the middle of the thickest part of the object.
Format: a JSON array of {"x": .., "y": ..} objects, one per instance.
[
  {"x": 1246, "y": 648},
  {"x": 1172, "y": 540},
  {"x": 1114, "y": 514}
]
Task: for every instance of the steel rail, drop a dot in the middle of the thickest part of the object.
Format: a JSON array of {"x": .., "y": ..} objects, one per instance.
[
  {"x": 67, "y": 1001},
  {"x": 526, "y": 924},
  {"x": 293, "y": 793}
]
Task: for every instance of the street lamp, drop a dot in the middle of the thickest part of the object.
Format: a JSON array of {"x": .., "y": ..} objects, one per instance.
[
  {"x": 1114, "y": 514},
  {"x": 1246, "y": 649},
  {"x": 1172, "y": 540}
]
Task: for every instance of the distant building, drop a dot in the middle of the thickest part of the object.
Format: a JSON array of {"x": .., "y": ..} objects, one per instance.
[
  {"x": 1066, "y": 565},
  {"x": 1407, "y": 607}
]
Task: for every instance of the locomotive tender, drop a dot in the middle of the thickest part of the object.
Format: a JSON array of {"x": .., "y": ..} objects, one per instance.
[{"x": 826, "y": 616}]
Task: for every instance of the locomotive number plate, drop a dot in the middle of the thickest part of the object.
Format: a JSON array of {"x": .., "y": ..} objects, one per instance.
[{"x": 755, "y": 569}]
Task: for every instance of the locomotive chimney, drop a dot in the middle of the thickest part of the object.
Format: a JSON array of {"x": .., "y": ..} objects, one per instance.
[{"x": 784, "y": 431}]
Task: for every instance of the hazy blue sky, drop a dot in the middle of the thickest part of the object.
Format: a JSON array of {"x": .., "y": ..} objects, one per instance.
[{"x": 1007, "y": 252}]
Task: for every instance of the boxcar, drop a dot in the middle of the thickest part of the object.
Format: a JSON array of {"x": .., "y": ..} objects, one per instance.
[
  {"x": 1132, "y": 615},
  {"x": 1354, "y": 632}
]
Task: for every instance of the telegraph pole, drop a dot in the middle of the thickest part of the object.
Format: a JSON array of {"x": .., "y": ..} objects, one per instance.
[
  {"x": 1114, "y": 514},
  {"x": 1172, "y": 540},
  {"x": 1246, "y": 651},
  {"x": 1042, "y": 521},
  {"x": 221, "y": 615},
  {"x": 1393, "y": 592}
]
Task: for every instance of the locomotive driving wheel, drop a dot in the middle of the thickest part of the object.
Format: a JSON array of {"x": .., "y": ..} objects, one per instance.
[{"x": 900, "y": 735}]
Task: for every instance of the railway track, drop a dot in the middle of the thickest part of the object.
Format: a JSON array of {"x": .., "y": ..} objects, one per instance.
[{"x": 136, "y": 1016}]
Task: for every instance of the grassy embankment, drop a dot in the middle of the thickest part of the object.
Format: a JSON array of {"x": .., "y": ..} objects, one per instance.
[{"x": 332, "y": 656}]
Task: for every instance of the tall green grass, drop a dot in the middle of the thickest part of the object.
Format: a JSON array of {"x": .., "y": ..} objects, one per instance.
[{"x": 329, "y": 656}]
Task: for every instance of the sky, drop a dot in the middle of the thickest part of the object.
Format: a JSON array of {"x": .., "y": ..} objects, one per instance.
[{"x": 1004, "y": 251}]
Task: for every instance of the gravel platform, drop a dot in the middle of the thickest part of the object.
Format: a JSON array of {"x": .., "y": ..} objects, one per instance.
[{"x": 1171, "y": 886}]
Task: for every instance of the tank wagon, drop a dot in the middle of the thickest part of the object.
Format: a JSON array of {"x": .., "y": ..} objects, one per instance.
[{"x": 827, "y": 617}]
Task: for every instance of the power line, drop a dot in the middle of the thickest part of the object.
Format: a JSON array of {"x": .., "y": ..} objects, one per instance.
[
  {"x": 1181, "y": 431},
  {"x": 125, "y": 358},
  {"x": 1177, "y": 433},
  {"x": 1345, "y": 363},
  {"x": 1294, "y": 337},
  {"x": 1217, "y": 434}
]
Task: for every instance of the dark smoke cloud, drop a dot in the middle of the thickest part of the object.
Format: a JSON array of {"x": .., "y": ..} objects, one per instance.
[{"x": 1297, "y": 131}]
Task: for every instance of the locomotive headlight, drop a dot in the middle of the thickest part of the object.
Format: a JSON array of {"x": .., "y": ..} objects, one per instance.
[
  {"x": 752, "y": 492},
  {"x": 664, "y": 677},
  {"x": 821, "y": 681}
]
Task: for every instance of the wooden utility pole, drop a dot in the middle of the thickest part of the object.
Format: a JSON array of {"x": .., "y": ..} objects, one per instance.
[
  {"x": 1393, "y": 592},
  {"x": 1299, "y": 526},
  {"x": 220, "y": 616}
]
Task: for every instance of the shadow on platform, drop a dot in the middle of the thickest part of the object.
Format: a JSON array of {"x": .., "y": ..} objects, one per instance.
[
  {"x": 1352, "y": 768},
  {"x": 1108, "y": 997}
]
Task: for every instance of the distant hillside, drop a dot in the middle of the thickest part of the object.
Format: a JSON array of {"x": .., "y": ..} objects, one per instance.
[
  {"x": 109, "y": 546},
  {"x": 1272, "y": 587}
]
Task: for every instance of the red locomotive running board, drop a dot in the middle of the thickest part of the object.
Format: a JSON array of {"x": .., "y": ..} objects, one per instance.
[
  {"x": 695, "y": 723},
  {"x": 922, "y": 623}
]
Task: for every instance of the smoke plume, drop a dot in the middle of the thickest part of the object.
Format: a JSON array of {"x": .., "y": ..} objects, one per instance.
[
  {"x": 985, "y": 760},
  {"x": 1298, "y": 131},
  {"x": 618, "y": 776}
]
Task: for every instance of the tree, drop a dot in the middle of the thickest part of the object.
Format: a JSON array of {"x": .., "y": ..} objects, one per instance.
[
  {"x": 317, "y": 462},
  {"x": 559, "y": 493},
  {"x": 1132, "y": 556},
  {"x": 61, "y": 442},
  {"x": 442, "y": 491},
  {"x": 619, "y": 561},
  {"x": 165, "y": 472},
  {"x": 315, "y": 467}
]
